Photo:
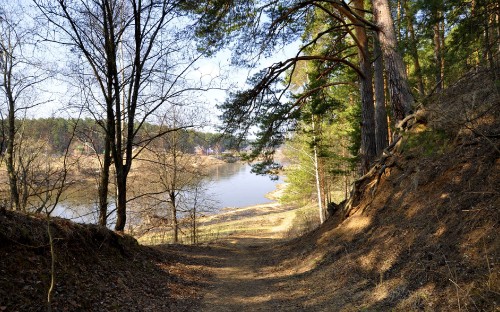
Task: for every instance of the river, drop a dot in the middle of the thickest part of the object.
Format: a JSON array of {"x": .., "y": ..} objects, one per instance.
[
  {"x": 229, "y": 185},
  {"x": 233, "y": 185}
]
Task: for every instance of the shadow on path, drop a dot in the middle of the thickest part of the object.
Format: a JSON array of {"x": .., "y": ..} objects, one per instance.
[{"x": 243, "y": 279}]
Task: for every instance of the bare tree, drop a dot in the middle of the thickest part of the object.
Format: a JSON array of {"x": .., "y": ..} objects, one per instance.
[
  {"x": 20, "y": 74},
  {"x": 198, "y": 203},
  {"x": 173, "y": 173},
  {"x": 134, "y": 56}
]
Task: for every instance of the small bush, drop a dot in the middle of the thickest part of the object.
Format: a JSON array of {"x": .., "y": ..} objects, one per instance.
[
  {"x": 426, "y": 143},
  {"x": 304, "y": 222}
]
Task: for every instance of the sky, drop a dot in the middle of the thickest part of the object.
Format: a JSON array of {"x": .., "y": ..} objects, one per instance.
[
  {"x": 56, "y": 91},
  {"x": 217, "y": 68}
]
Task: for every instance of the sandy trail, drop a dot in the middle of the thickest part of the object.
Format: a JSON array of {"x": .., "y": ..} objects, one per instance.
[{"x": 242, "y": 271}]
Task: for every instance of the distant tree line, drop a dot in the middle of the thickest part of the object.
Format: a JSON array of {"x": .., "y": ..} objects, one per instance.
[{"x": 58, "y": 134}]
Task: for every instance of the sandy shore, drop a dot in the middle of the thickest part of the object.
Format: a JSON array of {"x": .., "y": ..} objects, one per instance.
[{"x": 272, "y": 218}]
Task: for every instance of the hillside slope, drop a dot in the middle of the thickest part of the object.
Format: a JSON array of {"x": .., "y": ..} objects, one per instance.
[
  {"x": 95, "y": 269},
  {"x": 421, "y": 232}
]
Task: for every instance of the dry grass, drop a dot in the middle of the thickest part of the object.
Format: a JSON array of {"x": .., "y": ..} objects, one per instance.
[{"x": 264, "y": 218}]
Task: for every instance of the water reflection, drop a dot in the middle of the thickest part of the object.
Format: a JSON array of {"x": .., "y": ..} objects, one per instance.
[
  {"x": 229, "y": 185},
  {"x": 233, "y": 185},
  {"x": 76, "y": 213}
]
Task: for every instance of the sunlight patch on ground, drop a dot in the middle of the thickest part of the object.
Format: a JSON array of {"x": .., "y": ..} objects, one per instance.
[
  {"x": 366, "y": 262},
  {"x": 356, "y": 224},
  {"x": 391, "y": 289},
  {"x": 440, "y": 231},
  {"x": 380, "y": 292},
  {"x": 445, "y": 195},
  {"x": 414, "y": 209},
  {"x": 310, "y": 263},
  {"x": 417, "y": 299}
]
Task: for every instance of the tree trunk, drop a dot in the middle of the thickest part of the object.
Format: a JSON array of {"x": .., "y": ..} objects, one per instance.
[
  {"x": 318, "y": 186},
  {"x": 381, "y": 126},
  {"x": 401, "y": 97},
  {"x": 414, "y": 51},
  {"x": 323, "y": 182},
  {"x": 443, "y": 50},
  {"x": 11, "y": 129},
  {"x": 437, "y": 55},
  {"x": 104, "y": 183},
  {"x": 174, "y": 182},
  {"x": 193, "y": 226},
  {"x": 23, "y": 186},
  {"x": 114, "y": 116},
  {"x": 496, "y": 27},
  {"x": 175, "y": 222},
  {"x": 10, "y": 164},
  {"x": 368, "y": 145},
  {"x": 398, "y": 23},
  {"x": 121, "y": 205},
  {"x": 489, "y": 37}
]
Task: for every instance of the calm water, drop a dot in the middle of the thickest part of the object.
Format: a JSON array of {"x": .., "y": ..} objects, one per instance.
[
  {"x": 229, "y": 185},
  {"x": 233, "y": 185}
]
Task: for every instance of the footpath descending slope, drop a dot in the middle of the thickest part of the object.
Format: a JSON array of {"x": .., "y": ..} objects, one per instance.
[
  {"x": 98, "y": 270},
  {"x": 421, "y": 233}
]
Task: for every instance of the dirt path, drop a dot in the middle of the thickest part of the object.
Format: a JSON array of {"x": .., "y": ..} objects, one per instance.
[
  {"x": 242, "y": 270},
  {"x": 240, "y": 283}
]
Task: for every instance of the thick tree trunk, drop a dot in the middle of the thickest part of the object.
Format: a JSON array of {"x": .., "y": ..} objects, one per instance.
[
  {"x": 399, "y": 22},
  {"x": 401, "y": 97},
  {"x": 381, "y": 126},
  {"x": 121, "y": 205},
  {"x": 114, "y": 114},
  {"x": 104, "y": 184},
  {"x": 368, "y": 145}
]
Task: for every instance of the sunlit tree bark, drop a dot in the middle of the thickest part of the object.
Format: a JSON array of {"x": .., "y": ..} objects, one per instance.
[
  {"x": 401, "y": 97},
  {"x": 381, "y": 126},
  {"x": 368, "y": 144}
]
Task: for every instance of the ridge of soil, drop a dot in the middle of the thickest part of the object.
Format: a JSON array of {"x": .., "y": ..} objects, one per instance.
[{"x": 95, "y": 269}]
